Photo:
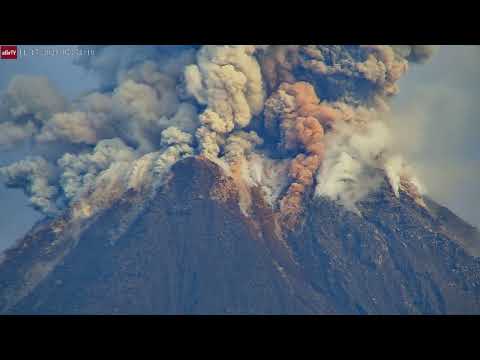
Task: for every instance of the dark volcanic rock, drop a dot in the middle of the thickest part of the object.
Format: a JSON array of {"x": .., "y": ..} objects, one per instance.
[
  {"x": 395, "y": 258},
  {"x": 190, "y": 249}
]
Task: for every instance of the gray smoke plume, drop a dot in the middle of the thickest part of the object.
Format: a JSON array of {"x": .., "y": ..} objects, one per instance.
[
  {"x": 32, "y": 96},
  {"x": 35, "y": 176},
  {"x": 79, "y": 172},
  {"x": 26, "y": 106},
  {"x": 358, "y": 75},
  {"x": 292, "y": 120}
]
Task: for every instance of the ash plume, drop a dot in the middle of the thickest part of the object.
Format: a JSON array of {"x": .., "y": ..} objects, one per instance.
[
  {"x": 227, "y": 79},
  {"x": 35, "y": 175},
  {"x": 354, "y": 74},
  {"x": 80, "y": 172},
  {"x": 297, "y": 121},
  {"x": 295, "y": 115},
  {"x": 27, "y": 104}
]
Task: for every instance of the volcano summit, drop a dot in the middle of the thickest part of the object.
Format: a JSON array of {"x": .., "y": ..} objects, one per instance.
[{"x": 229, "y": 180}]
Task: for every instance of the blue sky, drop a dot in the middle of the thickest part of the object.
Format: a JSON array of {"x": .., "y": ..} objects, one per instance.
[{"x": 437, "y": 112}]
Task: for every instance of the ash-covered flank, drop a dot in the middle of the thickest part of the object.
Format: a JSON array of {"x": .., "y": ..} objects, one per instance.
[{"x": 192, "y": 250}]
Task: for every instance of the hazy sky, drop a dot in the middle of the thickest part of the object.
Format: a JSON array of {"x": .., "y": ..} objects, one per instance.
[{"x": 436, "y": 114}]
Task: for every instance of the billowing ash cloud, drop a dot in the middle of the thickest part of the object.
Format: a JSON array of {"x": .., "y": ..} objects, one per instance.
[
  {"x": 80, "y": 172},
  {"x": 298, "y": 122},
  {"x": 34, "y": 97},
  {"x": 295, "y": 115},
  {"x": 354, "y": 74},
  {"x": 111, "y": 61},
  {"x": 143, "y": 103},
  {"x": 227, "y": 79},
  {"x": 415, "y": 53},
  {"x": 35, "y": 175},
  {"x": 27, "y": 104}
]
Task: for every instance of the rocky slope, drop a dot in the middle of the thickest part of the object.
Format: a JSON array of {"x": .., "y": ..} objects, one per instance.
[{"x": 191, "y": 249}]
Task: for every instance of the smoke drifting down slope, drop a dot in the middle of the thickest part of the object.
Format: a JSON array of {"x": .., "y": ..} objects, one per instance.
[{"x": 296, "y": 121}]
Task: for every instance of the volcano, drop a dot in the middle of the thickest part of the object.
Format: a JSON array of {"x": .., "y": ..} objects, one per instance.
[{"x": 192, "y": 249}]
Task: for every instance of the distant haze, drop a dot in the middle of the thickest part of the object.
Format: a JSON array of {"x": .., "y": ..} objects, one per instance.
[{"x": 439, "y": 109}]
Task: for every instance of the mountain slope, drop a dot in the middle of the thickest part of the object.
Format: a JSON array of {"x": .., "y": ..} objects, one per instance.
[{"x": 191, "y": 249}]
